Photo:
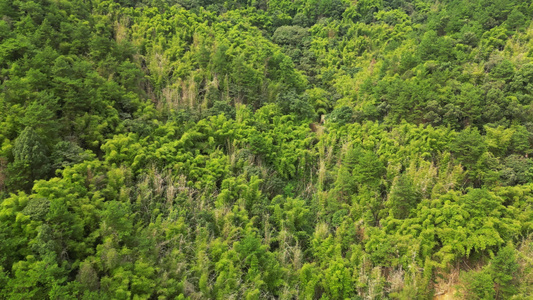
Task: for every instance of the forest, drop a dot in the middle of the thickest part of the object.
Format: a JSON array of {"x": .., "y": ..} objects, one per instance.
[{"x": 266, "y": 149}]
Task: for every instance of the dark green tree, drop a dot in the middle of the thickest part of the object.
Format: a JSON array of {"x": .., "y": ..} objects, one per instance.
[
  {"x": 504, "y": 269},
  {"x": 31, "y": 161}
]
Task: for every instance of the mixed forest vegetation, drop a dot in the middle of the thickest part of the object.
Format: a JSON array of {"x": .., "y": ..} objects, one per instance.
[{"x": 266, "y": 149}]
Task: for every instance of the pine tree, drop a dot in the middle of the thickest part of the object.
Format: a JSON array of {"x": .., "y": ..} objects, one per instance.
[
  {"x": 503, "y": 270},
  {"x": 30, "y": 161}
]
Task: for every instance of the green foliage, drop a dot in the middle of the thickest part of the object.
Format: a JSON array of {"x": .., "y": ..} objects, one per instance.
[
  {"x": 30, "y": 161},
  {"x": 468, "y": 146},
  {"x": 320, "y": 149},
  {"x": 403, "y": 197},
  {"x": 504, "y": 268},
  {"x": 479, "y": 285}
]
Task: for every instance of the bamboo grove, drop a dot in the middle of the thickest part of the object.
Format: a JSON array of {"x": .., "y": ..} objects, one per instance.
[{"x": 266, "y": 149}]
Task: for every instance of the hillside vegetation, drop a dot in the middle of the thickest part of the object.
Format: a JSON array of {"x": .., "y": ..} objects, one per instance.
[{"x": 318, "y": 149}]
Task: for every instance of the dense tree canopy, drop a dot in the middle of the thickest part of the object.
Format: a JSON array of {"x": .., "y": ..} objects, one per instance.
[{"x": 321, "y": 149}]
